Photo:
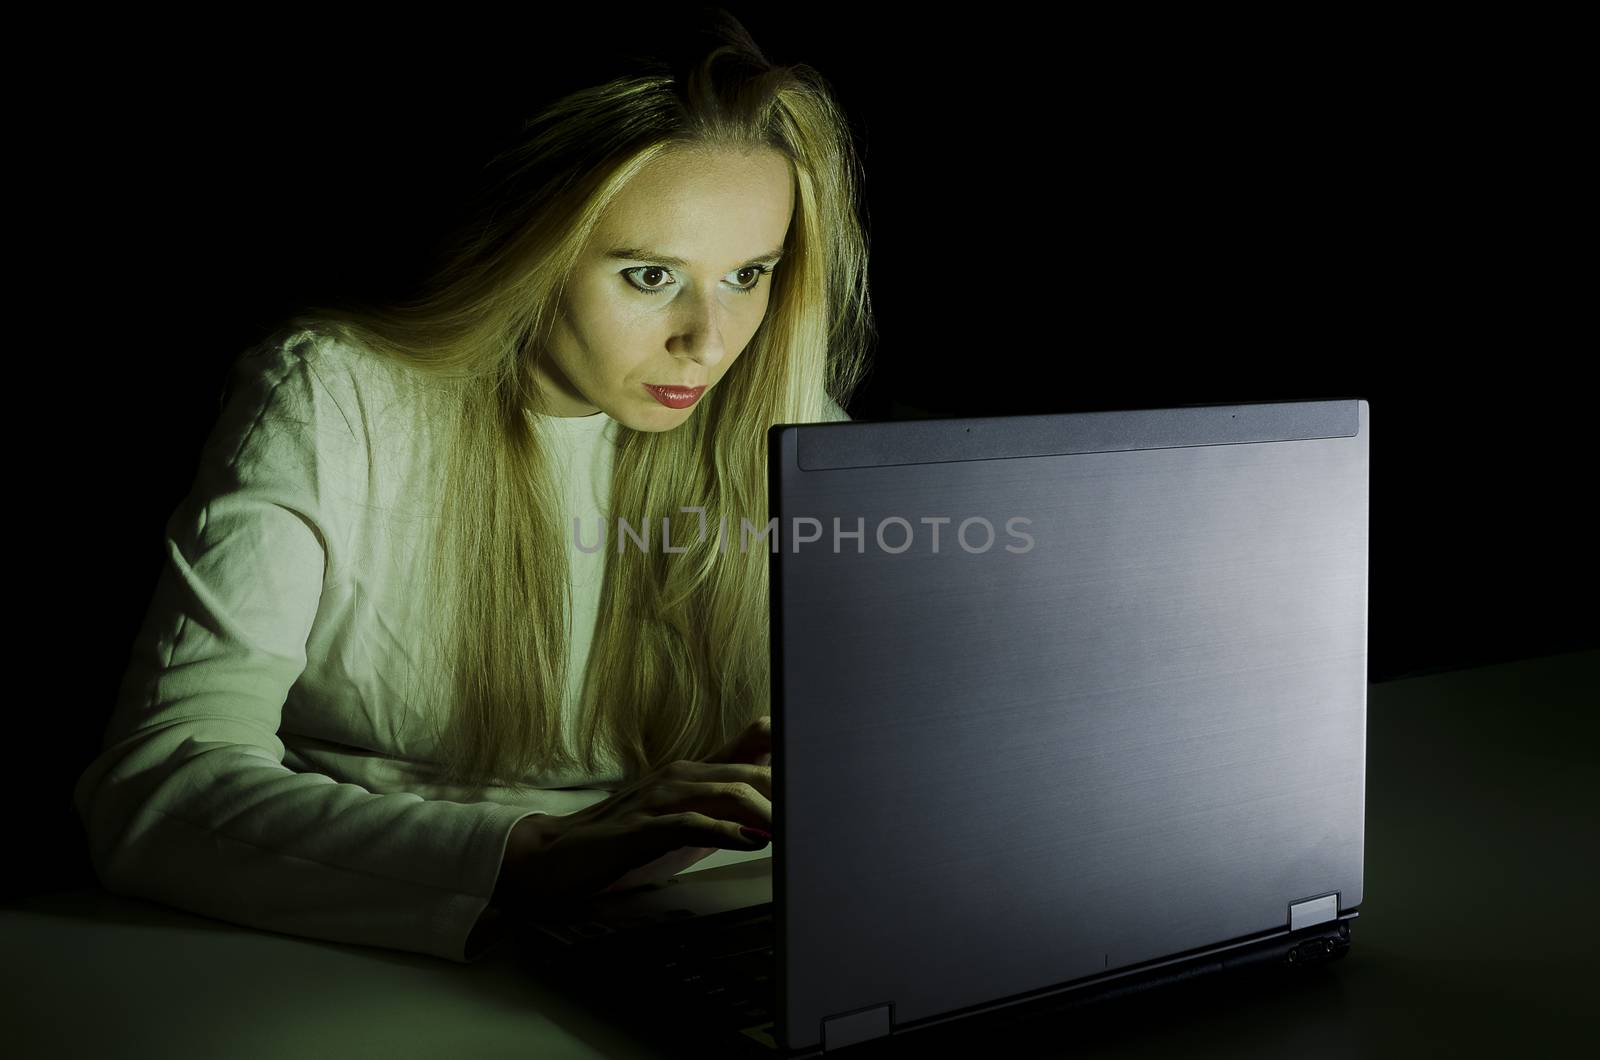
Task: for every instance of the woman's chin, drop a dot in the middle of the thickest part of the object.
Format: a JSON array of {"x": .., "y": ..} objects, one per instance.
[{"x": 667, "y": 421}]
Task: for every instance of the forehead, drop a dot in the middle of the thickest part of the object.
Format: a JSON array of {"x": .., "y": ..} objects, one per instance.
[{"x": 690, "y": 193}]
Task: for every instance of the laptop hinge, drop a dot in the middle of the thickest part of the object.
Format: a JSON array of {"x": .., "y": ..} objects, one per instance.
[
  {"x": 1311, "y": 911},
  {"x": 875, "y": 1021}
]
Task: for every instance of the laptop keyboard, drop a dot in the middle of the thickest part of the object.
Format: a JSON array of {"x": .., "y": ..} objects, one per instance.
[{"x": 727, "y": 967}]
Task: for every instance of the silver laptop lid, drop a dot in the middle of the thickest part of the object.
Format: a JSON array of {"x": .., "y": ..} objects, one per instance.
[{"x": 1117, "y": 712}]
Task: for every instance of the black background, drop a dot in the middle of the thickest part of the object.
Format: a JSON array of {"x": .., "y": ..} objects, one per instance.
[{"x": 1063, "y": 216}]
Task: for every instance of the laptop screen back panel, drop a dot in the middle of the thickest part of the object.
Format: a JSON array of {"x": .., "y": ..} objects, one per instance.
[{"x": 1140, "y": 733}]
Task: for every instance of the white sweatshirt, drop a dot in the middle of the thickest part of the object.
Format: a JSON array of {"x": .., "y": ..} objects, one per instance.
[{"x": 267, "y": 762}]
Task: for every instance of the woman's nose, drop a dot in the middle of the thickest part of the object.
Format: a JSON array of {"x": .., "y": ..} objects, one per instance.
[{"x": 700, "y": 337}]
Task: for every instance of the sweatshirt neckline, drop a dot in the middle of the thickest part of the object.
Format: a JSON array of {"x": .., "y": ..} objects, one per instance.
[{"x": 574, "y": 425}]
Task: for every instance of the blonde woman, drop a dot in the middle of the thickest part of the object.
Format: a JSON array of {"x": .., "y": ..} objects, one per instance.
[{"x": 435, "y": 637}]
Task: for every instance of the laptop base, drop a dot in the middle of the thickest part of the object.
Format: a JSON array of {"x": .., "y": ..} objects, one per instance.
[{"x": 637, "y": 983}]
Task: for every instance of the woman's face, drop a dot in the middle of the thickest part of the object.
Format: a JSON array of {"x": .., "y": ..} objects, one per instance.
[{"x": 671, "y": 287}]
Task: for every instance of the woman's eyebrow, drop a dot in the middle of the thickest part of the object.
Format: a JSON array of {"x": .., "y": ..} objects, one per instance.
[{"x": 641, "y": 254}]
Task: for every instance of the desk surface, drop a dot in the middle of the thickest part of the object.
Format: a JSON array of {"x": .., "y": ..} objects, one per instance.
[{"x": 1473, "y": 937}]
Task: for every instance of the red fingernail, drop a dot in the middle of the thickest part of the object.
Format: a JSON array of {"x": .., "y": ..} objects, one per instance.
[{"x": 755, "y": 833}]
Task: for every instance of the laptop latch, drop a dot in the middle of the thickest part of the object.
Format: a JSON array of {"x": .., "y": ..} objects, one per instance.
[
  {"x": 874, "y": 1021},
  {"x": 1312, "y": 911}
]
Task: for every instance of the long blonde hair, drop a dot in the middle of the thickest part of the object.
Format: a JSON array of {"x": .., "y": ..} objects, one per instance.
[{"x": 680, "y": 657}]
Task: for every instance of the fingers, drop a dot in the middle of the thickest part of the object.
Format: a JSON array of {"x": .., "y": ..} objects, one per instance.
[
  {"x": 748, "y": 746},
  {"x": 692, "y": 828},
  {"x": 757, "y": 776},
  {"x": 684, "y": 804},
  {"x": 738, "y": 802},
  {"x": 762, "y": 744}
]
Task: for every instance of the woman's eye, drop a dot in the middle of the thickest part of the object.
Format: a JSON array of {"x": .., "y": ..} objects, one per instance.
[
  {"x": 653, "y": 279},
  {"x": 651, "y": 276}
]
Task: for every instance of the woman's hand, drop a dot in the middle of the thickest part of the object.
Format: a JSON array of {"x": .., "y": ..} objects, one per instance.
[{"x": 650, "y": 830}]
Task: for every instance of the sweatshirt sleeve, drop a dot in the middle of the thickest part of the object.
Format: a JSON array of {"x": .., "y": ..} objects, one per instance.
[
  {"x": 832, "y": 412},
  {"x": 189, "y": 802}
]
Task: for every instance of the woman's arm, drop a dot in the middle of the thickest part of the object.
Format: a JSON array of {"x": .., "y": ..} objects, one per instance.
[{"x": 189, "y": 802}]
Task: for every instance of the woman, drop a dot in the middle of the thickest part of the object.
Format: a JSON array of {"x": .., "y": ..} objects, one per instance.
[{"x": 385, "y": 622}]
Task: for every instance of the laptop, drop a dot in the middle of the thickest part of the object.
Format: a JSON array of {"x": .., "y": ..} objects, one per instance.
[{"x": 1064, "y": 707}]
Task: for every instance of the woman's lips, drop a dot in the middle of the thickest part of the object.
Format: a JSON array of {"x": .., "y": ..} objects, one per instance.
[{"x": 675, "y": 397}]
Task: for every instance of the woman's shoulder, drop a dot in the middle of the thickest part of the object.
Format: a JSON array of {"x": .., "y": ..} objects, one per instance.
[
  {"x": 338, "y": 361},
  {"x": 364, "y": 386}
]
